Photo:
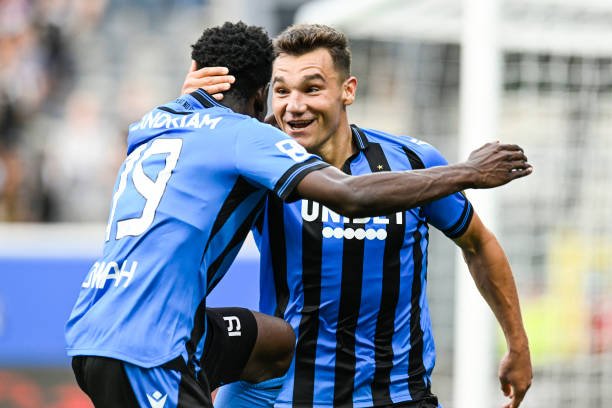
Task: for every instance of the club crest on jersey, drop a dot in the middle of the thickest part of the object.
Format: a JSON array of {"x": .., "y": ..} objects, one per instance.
[{"x": 372, "y": 227}]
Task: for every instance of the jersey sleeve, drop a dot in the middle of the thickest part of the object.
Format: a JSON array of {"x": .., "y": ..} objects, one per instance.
[
  {"x": 451, "y": 214},
  {"x": 268, "y": 157}
]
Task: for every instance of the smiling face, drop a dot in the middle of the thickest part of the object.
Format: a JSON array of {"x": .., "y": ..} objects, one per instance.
[{"x": 309, "y": 98}]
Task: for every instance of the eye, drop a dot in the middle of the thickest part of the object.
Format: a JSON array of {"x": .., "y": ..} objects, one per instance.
[
  {"x": 281, "y": 91},
  {"x": 312, "y": 89}
]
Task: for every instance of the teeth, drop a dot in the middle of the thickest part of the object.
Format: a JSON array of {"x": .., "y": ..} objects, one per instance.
[{"x": 299, "y": 124}]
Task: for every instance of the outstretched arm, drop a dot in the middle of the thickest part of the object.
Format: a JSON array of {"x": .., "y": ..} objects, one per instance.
[
  {"x": 491, "y": 272},
  {"x": 492, "y": 165}
]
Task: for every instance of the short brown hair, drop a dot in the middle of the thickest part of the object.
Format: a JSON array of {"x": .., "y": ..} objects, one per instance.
[{"x": 300, "y": 39}]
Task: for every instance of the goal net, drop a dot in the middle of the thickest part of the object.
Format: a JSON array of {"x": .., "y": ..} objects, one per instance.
[{"x": 556, "y": 225}]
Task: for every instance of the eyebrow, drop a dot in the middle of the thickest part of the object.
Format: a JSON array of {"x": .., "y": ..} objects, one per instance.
[{"x": 306, "y": 78}]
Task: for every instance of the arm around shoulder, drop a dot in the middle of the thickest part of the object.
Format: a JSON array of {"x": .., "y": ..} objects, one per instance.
[{"x": 492, "y": 165}]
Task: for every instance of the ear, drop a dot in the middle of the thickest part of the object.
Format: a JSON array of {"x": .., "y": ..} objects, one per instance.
[
  {"x": 260, "y": 102},
  {"x": 349, "y": 88}
]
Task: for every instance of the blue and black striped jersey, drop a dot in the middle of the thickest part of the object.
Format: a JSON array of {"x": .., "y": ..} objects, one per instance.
[
  {"x": 195, "y": 178},
  {"x": 354, "y": 290}
]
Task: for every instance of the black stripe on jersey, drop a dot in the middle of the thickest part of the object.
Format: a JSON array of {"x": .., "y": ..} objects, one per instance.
[
  {"x": 415, "y": 160},
  {"x": 285, "y": 186},
  {"x": 206, "y": 99},
  {"x": 385, "y": 327},
  {"x": 169, "y": 110},
  {"x": 348, "y": 314},
  {"x": 462, "y": 223},
  {"x": 416, "y": 369},
  {"x": 276, "y": 228},
  {"x": 376, "y": 158},
  {"x": 359, "y": 137},
  {"x": 237, "y": 239},
  {"x": 202, "y": 99},
  {"x": 305, "y": 349},
  {"x": 385, "y": 323},
  {"x": 259, "y": 224},
  {"x": 241, "y": 190}
]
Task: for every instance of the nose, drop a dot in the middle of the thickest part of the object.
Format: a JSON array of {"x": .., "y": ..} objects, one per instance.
[{"x": 295, "y": 103}]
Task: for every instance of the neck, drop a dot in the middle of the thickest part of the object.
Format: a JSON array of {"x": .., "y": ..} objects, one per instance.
[
  {"x": 339, "y": 147},
  {"x": 238, "y": 105}
]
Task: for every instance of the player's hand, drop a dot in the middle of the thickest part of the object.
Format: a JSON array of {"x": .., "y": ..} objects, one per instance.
[
  {"x": 496, "y": 164},
  {"x": 515, "y": 376},
  {"x": 213, "y": 80}
]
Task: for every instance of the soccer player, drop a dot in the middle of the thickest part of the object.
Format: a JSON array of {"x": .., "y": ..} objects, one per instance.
[
  {"x": 194, "y": 180},
  {"x": 354, "y": 289}
]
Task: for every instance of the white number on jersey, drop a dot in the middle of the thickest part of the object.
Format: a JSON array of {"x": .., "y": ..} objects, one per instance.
[
  {"x": 151, "y": 190},
  {"x": 292, "y": 149}
]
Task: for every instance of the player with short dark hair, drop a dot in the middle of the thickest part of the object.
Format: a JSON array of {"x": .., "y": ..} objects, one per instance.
[
  {"x": 354, "y": 289},
  {"x": 194, "y": 180}
]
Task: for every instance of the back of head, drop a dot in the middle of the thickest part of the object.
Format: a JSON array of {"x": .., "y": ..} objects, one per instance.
[
  {"x": 300, "y": 39},
  {"x": 245, "y": 50}
]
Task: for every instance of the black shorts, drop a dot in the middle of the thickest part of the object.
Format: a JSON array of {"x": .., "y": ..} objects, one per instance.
[
  {"x": 111, "y": 383},
  {"x": 230, "y": 338},
  {"x": 429, "y": 402}
]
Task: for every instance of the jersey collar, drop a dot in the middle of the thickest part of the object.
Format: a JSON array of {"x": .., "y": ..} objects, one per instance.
[
  {"x": 359, "y": 137},
  {"x": 205, "y": 99}
]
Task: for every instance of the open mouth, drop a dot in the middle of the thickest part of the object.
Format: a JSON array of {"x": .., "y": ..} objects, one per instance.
[{"x": 299, "y": 124}]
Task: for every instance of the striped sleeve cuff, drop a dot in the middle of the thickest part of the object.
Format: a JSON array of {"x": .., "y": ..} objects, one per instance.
[
  {"x": 286, "y": 184},
  {"x": 459, "y": 228}
]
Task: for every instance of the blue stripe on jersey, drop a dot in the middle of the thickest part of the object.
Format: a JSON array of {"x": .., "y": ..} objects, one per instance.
[
  {"x": 357, "y": 288},
  {"x": 329, "y": 293},
  {"x": 367, "y": 322},
  {"x": 308, "y": 329},
  {"x": 349, "y": 298},
  {"x": 302, "y": 315},
  {"x": 326, "y": 355},
  {"x": 276, "y": 225}
]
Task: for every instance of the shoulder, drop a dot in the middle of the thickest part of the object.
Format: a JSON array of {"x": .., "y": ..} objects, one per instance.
[
  {"x": 414, "y": 148},
  {"x": 253, "y": 133}
]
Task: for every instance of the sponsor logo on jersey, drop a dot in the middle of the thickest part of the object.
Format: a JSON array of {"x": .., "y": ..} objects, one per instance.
[{"x": 373, "y": 227}]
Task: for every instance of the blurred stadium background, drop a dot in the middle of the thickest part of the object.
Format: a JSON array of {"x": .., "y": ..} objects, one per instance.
[{"x": 74, "y": 73}]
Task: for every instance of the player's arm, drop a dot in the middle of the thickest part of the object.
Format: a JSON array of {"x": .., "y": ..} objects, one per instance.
[
  {"x": 492, "y": 274},
  {"x": 492, "y": 165}
]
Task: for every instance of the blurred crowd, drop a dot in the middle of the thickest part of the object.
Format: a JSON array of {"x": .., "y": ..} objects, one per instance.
[
  {"x": 70, "y": 83},
  {"x": 37, "y": 81}
]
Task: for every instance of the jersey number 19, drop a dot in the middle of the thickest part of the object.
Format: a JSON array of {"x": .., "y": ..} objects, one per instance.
[{"x": 151, "y": 190}]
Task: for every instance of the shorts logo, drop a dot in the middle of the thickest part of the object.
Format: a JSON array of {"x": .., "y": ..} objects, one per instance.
[
  {"x": 157, "y": 400},
  {"x": 231, "y": 330}
]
